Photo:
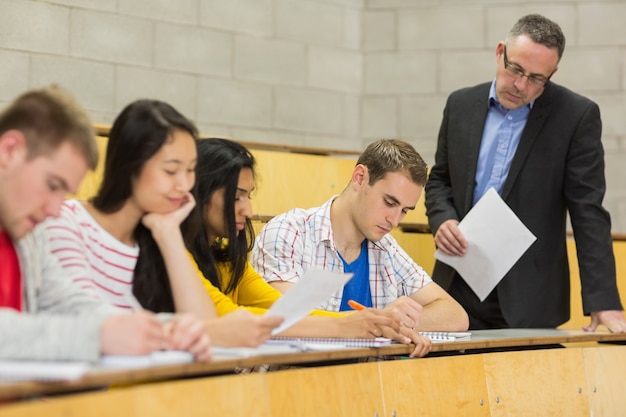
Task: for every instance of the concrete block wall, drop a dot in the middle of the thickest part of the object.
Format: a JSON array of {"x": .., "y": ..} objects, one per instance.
[
  {"x": 279, "y": 71},
  {"x": 317, "y": 73}
]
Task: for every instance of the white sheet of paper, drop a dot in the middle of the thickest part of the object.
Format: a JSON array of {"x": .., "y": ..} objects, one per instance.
[
  {"x": 497, "y": 239},
  {"x": 219, "y": 352},
  {"x": 306, "y": 295},
  {"x": 156, "y": 358},
  {"x": 16, "y": 371}
]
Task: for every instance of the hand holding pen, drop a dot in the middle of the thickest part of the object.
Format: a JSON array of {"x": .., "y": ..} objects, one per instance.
[
  {"x": 387, "y": 326},
  {"x": 404, "y": 335},
  {"x": 409, "y": 311}
]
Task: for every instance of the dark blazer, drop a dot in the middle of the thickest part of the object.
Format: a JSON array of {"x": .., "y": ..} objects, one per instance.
[{"x": 558, "y": 166}]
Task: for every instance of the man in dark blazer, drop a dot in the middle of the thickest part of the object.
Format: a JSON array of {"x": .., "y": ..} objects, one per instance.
[{"x": 538, "y": 144}]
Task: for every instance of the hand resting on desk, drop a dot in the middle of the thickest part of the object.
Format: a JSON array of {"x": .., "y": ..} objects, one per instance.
[
  {"x": 241, "y": 329},
  {"x": 132, "y": 334},
  {"x": 142, "y": 333},
  {"x": 612, "y": 319},
  {"x": 187, "y": 333}
]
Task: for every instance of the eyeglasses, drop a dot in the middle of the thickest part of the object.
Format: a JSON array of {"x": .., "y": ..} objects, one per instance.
[{"x": 518, "y": 72}]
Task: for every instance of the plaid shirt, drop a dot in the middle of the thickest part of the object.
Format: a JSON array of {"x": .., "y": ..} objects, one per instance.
[{"x": 298, "y": 240}]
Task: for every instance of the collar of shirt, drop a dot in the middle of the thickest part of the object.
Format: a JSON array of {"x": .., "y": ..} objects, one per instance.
[{"x": 324, "y": 230}]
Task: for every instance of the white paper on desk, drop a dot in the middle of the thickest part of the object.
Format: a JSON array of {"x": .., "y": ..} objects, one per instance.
[
  {"x": 244, "y": 352},
  {"x": 497, "y": 239},
  {"x": 16, "y": 371},
  {"x": 156, "y": 358},
  {"x": 313, "y": 287}
]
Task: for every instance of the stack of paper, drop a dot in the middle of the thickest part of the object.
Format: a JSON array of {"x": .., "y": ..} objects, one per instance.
[
  {"x": 162, "y": 357},
  {"x": 243, "y": 352},
  {"x": 16, "y": 371}
]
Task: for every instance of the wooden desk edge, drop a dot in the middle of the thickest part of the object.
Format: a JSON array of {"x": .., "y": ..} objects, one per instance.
[
  {"x": 99, "y": 378},
  {"x": 102, "y": 378}
]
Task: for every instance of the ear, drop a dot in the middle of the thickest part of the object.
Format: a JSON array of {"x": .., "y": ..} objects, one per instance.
[
  {"x": 360, "y": 176},
  {"x": 499, "y": 51},
  {"x": 12, "y": 148},
  {"x": 555, "y": 70}
]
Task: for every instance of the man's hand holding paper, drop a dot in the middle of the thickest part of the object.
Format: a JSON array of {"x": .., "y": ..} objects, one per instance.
[
  {"x": 485, "y": 245},
  {"x": 449, "y": 239}
]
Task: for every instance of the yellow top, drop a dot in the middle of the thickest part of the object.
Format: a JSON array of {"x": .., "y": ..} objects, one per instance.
[{"x": 252, "y": 293}]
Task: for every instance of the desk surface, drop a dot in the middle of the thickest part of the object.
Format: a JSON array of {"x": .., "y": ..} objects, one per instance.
[{"x": 482, "y": 339}]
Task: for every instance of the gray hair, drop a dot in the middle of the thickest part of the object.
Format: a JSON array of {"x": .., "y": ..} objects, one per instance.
[{"x": 540, "y": 30}]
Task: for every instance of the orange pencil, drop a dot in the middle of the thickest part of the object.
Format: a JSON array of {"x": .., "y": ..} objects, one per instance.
[{"x": 355, "y": 305}]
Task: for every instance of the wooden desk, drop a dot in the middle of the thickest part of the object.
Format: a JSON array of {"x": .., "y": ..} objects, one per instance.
[
  {"x": 483, "y": 339},
  {"x": 551, "y": 382}
]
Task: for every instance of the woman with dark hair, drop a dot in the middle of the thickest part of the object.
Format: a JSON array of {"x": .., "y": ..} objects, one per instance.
[
  {"x": 143, "y": 198},
  {"x": 225, "y": 182},
  {"x": 126, "y": 245},
  {"x": 224, "y": 187}
]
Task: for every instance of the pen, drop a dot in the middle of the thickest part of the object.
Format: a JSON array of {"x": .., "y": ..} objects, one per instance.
[
  {"x": 403, "y": 289},
  {"x": 355, "y": 305}
]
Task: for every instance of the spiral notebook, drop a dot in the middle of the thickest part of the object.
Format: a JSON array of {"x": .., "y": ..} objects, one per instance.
[
  {"x": 447, "y": 336},
  {"x": 328, "y": 343}
]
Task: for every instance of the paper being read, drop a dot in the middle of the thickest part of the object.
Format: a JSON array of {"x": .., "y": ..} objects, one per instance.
[
  {"x": 313, "y": 287},
  {"x": 497, "y": 239}
]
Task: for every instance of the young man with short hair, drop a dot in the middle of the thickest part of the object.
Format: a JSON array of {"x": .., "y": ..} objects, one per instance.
[{"x": 350, "y": 233}]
